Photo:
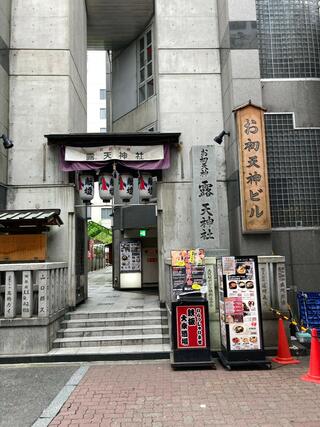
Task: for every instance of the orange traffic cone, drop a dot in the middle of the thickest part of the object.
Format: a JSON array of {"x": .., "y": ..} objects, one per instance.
[
  {"x": 313, "y": 375},
  {"x": 283, "y": 356}
]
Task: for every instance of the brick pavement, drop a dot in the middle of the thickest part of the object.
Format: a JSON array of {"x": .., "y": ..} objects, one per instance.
[{"x": 152, "y": 394}]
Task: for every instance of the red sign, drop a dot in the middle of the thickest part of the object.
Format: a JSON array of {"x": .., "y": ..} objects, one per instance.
[{"x": 191, "y": 326}]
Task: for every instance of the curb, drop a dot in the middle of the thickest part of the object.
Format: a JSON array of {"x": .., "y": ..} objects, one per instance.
[{"x": 53, "y": 409}]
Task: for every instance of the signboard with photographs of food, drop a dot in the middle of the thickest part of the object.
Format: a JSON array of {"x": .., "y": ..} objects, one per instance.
[{"x": 240, "y": 311}]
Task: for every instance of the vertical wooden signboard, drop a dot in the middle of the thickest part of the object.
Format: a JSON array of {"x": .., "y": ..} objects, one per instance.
[{"x": 253, "y": 171}]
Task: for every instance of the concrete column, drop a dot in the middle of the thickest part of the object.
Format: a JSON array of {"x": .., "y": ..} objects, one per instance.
[
  {"x": 47, "y": 95},
  {"x": 5, "y": 15},
  {"x": 189, "y": 101},
  {"x": 240, "y": 82}
]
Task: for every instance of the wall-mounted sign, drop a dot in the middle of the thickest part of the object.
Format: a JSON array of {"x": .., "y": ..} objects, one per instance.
[
  {"x": 254, "y": 189},
  {"x": 114, "y": 152}
]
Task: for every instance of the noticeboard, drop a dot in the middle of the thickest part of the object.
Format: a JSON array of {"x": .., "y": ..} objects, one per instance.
[{"x": 130, "y": 256}]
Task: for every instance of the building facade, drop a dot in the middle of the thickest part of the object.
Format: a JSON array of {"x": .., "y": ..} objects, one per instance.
[{"x": 177, "y": 67}]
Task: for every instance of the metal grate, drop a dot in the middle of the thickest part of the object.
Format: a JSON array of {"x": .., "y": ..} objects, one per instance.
[
  {"x": 289, "y": 38},
  {"x": 294, "y": 172}
]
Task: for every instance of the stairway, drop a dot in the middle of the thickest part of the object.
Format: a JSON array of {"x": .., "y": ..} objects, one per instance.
[{"x": 112, "y": 332}]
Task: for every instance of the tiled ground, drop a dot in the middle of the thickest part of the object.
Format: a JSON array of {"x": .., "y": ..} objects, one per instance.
[{"x": 152, "y": 394}]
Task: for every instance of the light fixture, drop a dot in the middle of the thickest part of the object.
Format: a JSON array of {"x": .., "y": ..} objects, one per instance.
[
  {"x": 6, "y": 142},
  {"x": 218, "y": 139}
]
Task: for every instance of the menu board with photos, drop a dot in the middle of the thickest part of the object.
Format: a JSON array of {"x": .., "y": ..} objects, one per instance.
[
  {"x": 130, "y": 256},
  {"x": 188, "y": 271},
  {"x": 240, "y": 317}
]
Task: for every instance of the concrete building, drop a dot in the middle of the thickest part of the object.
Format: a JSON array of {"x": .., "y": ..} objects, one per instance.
[{"x": 177, "y": 68}]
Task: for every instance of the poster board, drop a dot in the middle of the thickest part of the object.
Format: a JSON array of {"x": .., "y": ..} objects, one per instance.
[
  {"x": 188, "y": 271},
  {"x": 130, "y": 256},
  {"x": 240, "y": 309}
]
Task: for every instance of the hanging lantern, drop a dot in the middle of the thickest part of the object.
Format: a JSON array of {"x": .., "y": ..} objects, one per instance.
[
  {"x": 106, "y": 187},
  {"x": 125, "y": 186},
  {"x": 145, "y": 186},
  {"x": 86, "y": 187}
]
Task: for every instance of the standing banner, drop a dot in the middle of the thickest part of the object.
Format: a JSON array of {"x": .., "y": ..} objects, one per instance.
[{"x": 240, "y": 312}]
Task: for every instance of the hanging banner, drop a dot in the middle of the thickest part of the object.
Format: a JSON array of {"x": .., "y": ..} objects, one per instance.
[
  {"x": 254, "y": 189},
  {"x": 114, "y": 152}
]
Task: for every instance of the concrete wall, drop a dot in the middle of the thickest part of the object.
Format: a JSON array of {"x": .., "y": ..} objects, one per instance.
[
  {"x": 5, "y": 17},
  {"x": 47, "y": 95},
  {"x": 240, "y": 82}
]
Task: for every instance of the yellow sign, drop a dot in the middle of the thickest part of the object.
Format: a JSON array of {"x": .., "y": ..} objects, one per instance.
[
  {"x": 253, "y": 171},
  {"x": 196, "y": 286}
]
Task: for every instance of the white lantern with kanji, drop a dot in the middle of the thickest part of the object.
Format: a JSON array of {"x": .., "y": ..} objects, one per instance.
[
  {"x": 145, "y": 186},
  {"x": 125, "y": 186},
  {"x": 86, "y": 187},
  {"x": 106, "y": 187}
]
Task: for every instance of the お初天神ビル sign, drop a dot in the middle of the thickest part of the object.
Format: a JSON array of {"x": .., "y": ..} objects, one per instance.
[{"x": 253, "y": 171}]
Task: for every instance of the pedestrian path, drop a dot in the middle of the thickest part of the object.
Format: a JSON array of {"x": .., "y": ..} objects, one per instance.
[
  {"x": 114, "y": 322},
  {"x": 152, "y": 394}
]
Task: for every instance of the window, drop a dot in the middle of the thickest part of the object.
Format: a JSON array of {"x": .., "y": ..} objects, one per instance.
[
  {"x": 103, "y": 113},
  {"x": 103, "y": 93},
  {"x": 102, "y": 130},
  {"x": 145, "y": 61},
  {"x": 288, "y": 34},
  {"x": 106, "y": 213},
  {"x": 294, "y": 172}
]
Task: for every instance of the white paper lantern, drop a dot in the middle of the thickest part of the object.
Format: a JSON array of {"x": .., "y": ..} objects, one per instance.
[
  {"x": 125, "y": 186},
  {"x": 86, "y": 187},
  {"x": 145, "y": 186},
  {"x": 106, "y": 187}
]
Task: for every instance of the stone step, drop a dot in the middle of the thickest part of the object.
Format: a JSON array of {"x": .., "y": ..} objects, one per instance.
[
  {"x": 116, "y": 314},
  {"x": 116, "y": 340},
  {"x": 112, "y": 330},
  {"x": 121, "y": 321},
  {"x": 112, "y": 350}
]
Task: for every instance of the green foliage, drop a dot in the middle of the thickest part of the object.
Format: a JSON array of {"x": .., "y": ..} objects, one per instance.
[{"x": 99, "y": 233}]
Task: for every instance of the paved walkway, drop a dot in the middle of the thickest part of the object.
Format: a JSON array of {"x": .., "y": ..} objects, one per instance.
[
  {"x": 102, "y": 296},
  {"x": 152, "y": 394}
]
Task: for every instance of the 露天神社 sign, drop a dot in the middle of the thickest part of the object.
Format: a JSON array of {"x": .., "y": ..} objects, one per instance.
[
  {"x": 253, "y": 171},
  {"x": 114, "y": 152}
]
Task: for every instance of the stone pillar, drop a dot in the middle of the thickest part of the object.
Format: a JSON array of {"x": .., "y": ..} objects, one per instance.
[
  {"x": 52, "y": 290},
  {"x": 43, "y": 293},
  {"x": 10, "y": 304},
  {"x": 27, "y": 294}
]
